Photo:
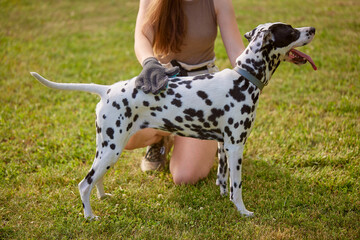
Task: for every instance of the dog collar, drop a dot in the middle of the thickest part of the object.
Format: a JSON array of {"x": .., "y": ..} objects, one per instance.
[{"x": 250, "y": 77}]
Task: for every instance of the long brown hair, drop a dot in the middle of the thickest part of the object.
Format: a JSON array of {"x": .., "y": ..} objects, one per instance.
[{"x": 168, "y": 19}]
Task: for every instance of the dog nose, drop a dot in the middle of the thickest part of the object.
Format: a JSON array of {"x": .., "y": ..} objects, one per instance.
[{"x": 312, "y": 31}]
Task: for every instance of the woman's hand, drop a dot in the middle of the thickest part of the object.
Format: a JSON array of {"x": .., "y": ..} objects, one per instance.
[{"x": 154, "y": 77}]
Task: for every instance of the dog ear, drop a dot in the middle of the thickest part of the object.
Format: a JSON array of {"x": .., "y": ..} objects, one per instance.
[
  {"x": 250, "y": 34},
  {"x": 260, "y": 40}
]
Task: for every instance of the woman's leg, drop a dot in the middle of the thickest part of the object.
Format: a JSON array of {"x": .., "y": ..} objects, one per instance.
[
  {"x": 158, "y": 146},
  {"x": 145, "y": 137},
  {"x": 192, "y": 159}
]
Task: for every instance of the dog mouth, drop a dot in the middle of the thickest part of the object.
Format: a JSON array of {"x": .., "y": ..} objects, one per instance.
[{"x": 299, "y": 58}]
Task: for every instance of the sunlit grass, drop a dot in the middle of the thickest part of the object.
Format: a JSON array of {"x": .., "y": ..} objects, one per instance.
[{"x": 301, "y": 169}]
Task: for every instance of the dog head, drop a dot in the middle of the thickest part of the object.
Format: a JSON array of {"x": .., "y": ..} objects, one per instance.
[{"x": 280, "y": 40}]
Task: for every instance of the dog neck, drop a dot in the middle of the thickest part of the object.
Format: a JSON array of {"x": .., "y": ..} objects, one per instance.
[{"x": 261, "y": 63}]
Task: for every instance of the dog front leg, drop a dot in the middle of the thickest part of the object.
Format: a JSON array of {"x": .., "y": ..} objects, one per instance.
[
  {"x": 222, "y": 173},
  {"x": 235, "y": 156}
]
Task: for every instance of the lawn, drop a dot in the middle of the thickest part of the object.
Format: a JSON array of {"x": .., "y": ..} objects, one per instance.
[{"x": 302, "y": 162}]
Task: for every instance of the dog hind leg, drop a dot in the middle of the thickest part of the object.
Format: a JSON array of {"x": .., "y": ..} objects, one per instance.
[{"x": 94, "y": 177}]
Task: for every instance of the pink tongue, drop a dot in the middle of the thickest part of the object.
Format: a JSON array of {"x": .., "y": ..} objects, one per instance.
[{"x": 308, "y": 58}]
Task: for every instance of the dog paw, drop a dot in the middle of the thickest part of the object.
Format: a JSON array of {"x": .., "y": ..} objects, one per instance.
[
  {"x": 223, "y": 191},
  {"x": 246, "y": 213},
  {"x": 104, "y": 196},
  {"x": 217, "y": 182},
  {"x": 95, "y": 218},
  {"x": 92, "y": 218},
  {"x": 223, "y": 187}
]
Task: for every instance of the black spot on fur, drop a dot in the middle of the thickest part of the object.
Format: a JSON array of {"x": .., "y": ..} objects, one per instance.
[
  {"x": 179, "y": 119},
  {"x": 125, "y": 102},
  {"x": 215, "y": 114},
  {"x": 245, "y": 109},
  {"x": 243, "y": 137},
  {"x": 128, "y": 112},
  {"x": 110, "y": 133},
  {"x": 208, "y": 102},
  {"x": 236, "y": 92},
  {"x": 247, "y": 123},
  {"x": 116, "y": 105},
  {"x": 112, "y": 146},
  {"x": 227, "y": 130},
  {"x": 129, "y": 126},
  {"x": 190, "y": 113},
  {"x": 169, "y": 126},
  {"x": 202, "y": 94},
  {"x": 173, "y": 85},
  {"x": 135, "y": 118},
  {"x": 204, "y": 76},
  {"x": 187, "y": 83},
  {"x": 89, "y": 176},
  {"x": 176, "y": 102},
  {"x": 134, "y": 93},
  {"x": 250, "y": 90},
  {"x": 144, "y": 125},
  {"x": 255, "y": 97},
  {"x": 245, "y": 86},
  {"x": 98, "y": 129},
  {"x": 170, "y": 91}
]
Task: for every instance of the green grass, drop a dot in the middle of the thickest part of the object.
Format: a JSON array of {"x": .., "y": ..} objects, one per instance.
[{"x": 301, "y": 169}]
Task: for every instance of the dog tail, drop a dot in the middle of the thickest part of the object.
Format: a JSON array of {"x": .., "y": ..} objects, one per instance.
[{"x": 92, "y": 88}]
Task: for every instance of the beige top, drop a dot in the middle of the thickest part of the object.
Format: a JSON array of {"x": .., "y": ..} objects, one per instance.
[{"x": 201, "y": 33}]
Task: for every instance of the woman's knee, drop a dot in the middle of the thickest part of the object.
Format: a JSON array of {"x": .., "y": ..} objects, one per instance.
[
  {"x": 190, "y": 171},
  {"x": 187, "y": 176},
  {"x": 191, "y": 160}
]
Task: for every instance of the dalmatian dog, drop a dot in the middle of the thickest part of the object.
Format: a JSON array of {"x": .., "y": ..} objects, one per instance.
[{"x": 218, "y": 106}]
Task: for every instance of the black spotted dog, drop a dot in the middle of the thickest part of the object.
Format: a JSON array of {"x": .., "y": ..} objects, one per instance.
[{"x": 218, "y": 106}]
